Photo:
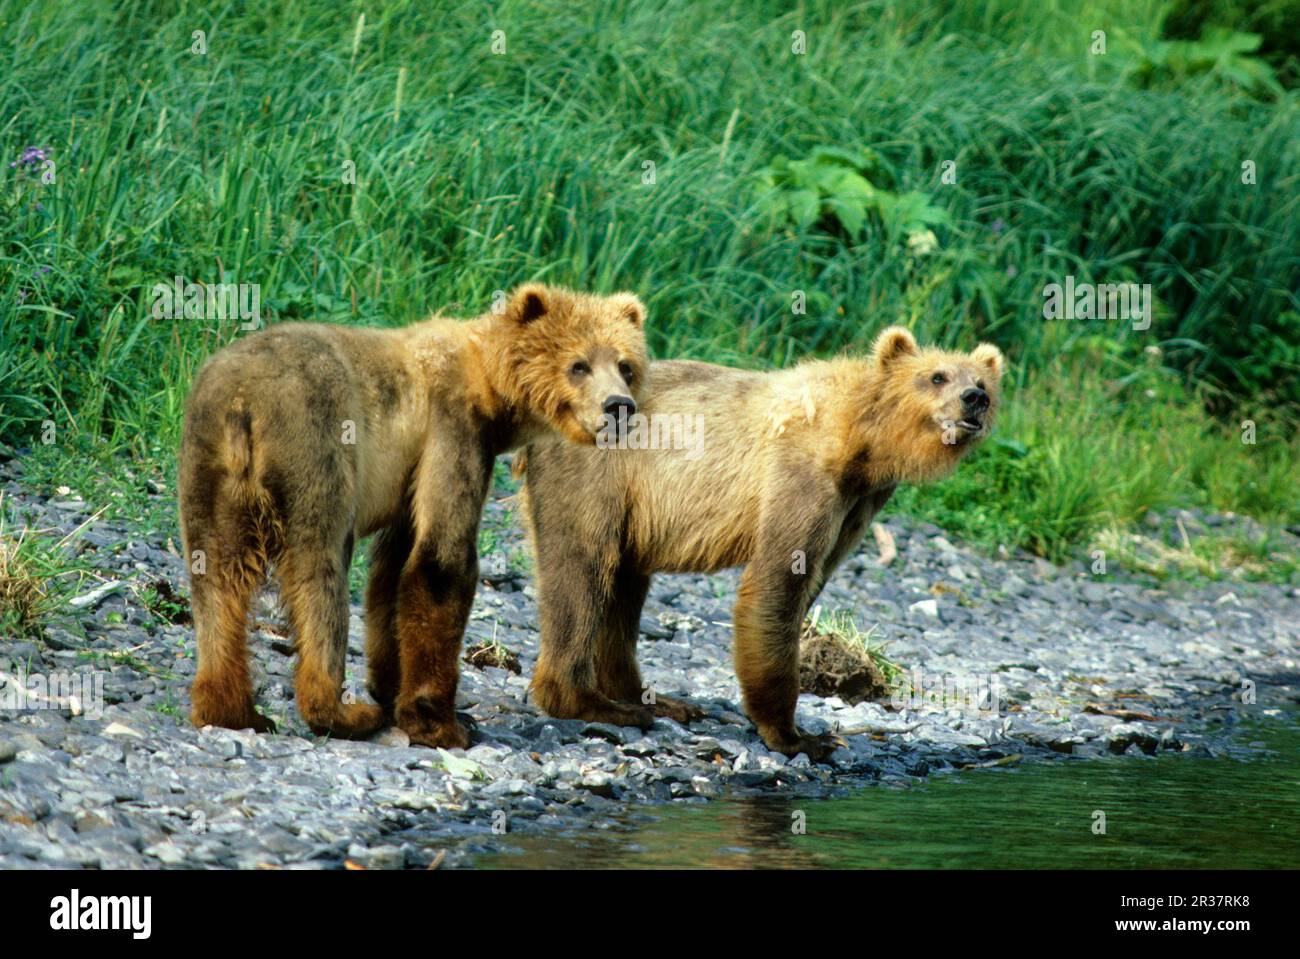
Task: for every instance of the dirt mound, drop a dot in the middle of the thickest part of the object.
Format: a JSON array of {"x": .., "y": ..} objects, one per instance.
[
  {"x": 485, "y": 654},
  {"x": 830, "y": 667}
]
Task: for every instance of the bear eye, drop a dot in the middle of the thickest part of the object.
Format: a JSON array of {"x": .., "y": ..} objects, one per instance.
[
  {"x": 979, "y": 384},
  {"x": 625, "y": 370},
  {"x": 938, "y": 379},
  {"x": 580, "y": 368}
]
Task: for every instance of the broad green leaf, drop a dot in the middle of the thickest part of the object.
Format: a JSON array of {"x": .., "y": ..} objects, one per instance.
[
  {"x": 846, "y": 185},
  {"x": 805, "y": 206},
  {"x": 459, "y": 768},
  {"x": 845, "y": 156},
  {"x": 852, "y": 215}
]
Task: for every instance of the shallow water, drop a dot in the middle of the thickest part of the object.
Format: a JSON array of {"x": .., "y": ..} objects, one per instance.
[{"x": 1170, "y": 811}]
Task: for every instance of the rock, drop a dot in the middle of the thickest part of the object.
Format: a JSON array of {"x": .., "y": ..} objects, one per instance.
[
  {"x": 1093, "y": 593},
  {"x": 651, "y": 628},
  {"x": 92, "y": 820},
  {"x": 168, "y": 853},
  {"x": 605, "y": 731},
  {"x": 1126, "y": 738},
  {"x": 600, "y": 783},
  {"x": 928, "y": 608},
  {"x": 58, "y": 638},
  {"x": 377, "y": 857},
  {"x": 117, "y": 729},
  {"x": 1013, "y": 585},
  {"x": 754, "y": 777},
  {"x": 392, "y": 737},
  {"x": 1044, "y": 570}
]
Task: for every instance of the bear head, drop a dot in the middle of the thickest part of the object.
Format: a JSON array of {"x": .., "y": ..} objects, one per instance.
[
  {"x": 577, "y": 360},
  {"x": 933, "y": 406}
]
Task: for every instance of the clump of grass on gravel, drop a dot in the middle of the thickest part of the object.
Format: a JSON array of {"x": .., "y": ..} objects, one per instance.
[
  {"x": 37, "y": 577},
  {"x": 1251, "y": 558},
  {"x": 842, "y": 626}
]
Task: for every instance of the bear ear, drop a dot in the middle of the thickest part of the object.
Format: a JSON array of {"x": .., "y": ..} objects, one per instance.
[
  {"x": 528, "y": 303},
  {"x": 628, "y": 306},
  {"x": 990, "y": 357},
  {"x": 891, "y": 344}
]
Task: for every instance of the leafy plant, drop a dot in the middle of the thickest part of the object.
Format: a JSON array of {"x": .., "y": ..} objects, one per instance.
[
  {"x": 1274, "y": 20},
  {"x": 832, "y": 190},
  {"x": 164, "y": 603},
  {"x": 1222, "y": 53}
]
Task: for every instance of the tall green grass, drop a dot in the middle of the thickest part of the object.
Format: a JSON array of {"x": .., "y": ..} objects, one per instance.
[{"x": 475, "y": 171}]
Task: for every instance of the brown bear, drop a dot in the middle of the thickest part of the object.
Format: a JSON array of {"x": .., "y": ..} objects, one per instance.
[
  {"x": 302, "y": 438},
  {"x": 785, "y": 473}
]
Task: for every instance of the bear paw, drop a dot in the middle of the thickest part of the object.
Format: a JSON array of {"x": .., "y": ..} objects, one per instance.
[
  {"x": 816, "y": 748},
  {"x": 210, "y": 710},
  {"x": 449, "y": 735},
  {"x": 620, "y": 714},
  {"x": 677, "y": 710}
]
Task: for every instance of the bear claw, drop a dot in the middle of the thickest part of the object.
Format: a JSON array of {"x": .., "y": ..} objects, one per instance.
[
  {"x": 677, "y": 710},
  {"x": 816, "y": 748},
  {"x": 450, "y": 735}
]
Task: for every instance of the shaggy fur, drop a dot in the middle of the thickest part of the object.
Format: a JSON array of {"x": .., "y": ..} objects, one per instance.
[
  {"x": 795, "y": 465},
  {"x": 303, "y": 438}
]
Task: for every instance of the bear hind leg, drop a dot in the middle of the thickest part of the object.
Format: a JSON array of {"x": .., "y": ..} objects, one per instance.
[
  {"x": 222, "y": 692},
  {"x": 227, "y": 549},
  {"x": 388, "y": 553},
  {"x": 313, "y": 576}
]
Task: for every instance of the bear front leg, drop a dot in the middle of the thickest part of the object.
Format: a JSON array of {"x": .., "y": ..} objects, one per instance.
[
  {"x": 617, "y": 674},
  {"x": 774, "y": 594},
  {"x": 433, "y": 606},
  {"x": 435, "y": 590},
  {"x": 588, "y": 657}
]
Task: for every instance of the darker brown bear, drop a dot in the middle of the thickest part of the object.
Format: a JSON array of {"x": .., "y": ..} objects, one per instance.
[{"x": 300, "y": 439}]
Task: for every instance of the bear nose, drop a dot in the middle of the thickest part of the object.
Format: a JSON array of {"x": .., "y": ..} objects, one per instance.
[
  {"x": 619, "y": 405},
  {"x": 975, "y": 399}
]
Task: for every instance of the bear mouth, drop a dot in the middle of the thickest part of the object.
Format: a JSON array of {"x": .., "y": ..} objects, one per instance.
[{"x": 970, "y": 424}]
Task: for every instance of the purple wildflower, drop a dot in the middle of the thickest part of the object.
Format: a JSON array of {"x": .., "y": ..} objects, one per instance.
[{"x": 32, "y": 157}]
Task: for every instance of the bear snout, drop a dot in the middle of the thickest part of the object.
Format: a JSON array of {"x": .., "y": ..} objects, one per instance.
[
  {"x": 619, "y": 406},
  {"x": 975, "y": 400}
]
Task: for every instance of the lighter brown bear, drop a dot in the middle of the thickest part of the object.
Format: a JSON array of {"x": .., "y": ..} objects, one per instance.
[
  {"x": 300, "y": 439},
  {"x": 784, "y": 474}
]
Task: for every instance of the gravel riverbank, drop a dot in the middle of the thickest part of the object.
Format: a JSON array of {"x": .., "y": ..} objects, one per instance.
[{"x": 1080, "y": 666}]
